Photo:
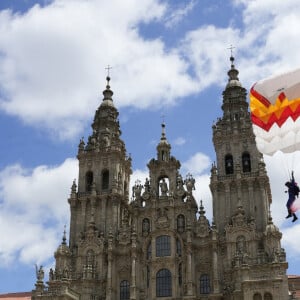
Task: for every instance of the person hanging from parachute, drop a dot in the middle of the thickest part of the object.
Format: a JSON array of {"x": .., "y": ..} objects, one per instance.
[
  {"x": 275, "y": 115},
  {"x": 293, "y": 191}
]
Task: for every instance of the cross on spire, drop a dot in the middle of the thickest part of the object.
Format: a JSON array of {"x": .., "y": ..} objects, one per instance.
[
  {"x": 231, "y": 50},
  {"x": 108, "y": 69}
]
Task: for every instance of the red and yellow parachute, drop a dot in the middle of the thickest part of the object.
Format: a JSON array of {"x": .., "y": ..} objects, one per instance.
[{"x": 275, "y": 111}]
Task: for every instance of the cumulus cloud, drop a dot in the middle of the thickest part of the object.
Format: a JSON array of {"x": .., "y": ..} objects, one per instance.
[
  {"x": 52, "y": 56},
  {"x": 34, "y": 209},
  {"x": 179, "y": 141},
  {"x": 197, "y": 164},
  {"x": 176, "y": 15}
]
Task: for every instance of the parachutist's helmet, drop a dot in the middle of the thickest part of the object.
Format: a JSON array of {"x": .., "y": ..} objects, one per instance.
[{"x": 287, "y": 184}]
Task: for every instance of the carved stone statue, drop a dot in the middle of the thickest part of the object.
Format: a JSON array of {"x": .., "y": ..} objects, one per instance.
[
  {"x": 137, "y": 190},
  {"x": 190, "y": 183},
  {"x": 51, "y": 274},
  {"x": 39, "y": 273},
  {"x": 163, "y": 187}
]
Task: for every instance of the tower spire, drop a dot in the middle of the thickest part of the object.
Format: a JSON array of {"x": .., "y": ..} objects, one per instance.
[
  {"x": 163, "y": 147},
  {"x": 64, "y": 239},
  {"x": 108, "y": 93},
  {"x": 233, "y": 73}
]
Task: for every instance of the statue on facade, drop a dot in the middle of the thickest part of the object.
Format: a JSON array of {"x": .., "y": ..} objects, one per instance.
[
  {"x": 137, "y": 189},
  {"x": 163, "y": 187},
  {"x": 190, "y": 183},
  {"x": 39, "y": 273}
]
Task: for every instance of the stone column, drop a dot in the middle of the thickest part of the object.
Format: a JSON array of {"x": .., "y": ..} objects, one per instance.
[
  {"x": 189, "y": 265},
  {"x": 109, "y": 267},
  {"x": 133, "y": 267},
  {"x": 216, "y": 287}
]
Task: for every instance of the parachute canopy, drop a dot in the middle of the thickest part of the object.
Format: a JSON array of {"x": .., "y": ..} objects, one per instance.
[{"x": 275, "y": 111}]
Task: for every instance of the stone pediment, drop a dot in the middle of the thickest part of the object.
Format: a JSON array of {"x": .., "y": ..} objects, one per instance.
[{"x": 162, "y": 220}]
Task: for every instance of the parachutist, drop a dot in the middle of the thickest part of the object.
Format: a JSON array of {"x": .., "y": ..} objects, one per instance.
[{"x": 293, "y": 191}]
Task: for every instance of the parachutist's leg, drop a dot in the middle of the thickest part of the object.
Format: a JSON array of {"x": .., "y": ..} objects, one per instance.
[
  {"x": 295, "y": 218},
  {"x": 289, "y": 215}
]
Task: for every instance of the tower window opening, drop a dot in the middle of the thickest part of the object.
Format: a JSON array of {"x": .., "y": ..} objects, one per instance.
[
  {"x": 105, "y": 179},
  {"x": 204, "y": 284},
  {"x": 163, "y": 283},
  {"x": 236, "y": 117},
  {"x": 257, "y": 296},
  {"x": 246, "y": 162},
  {"x": 124, "y": 290},
  {"x": 228, "y": 164},
  {"x": 89, "y": 178}
]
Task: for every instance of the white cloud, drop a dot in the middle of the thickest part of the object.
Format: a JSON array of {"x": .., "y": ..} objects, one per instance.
[
  {"x": 176, "y": 15},
  {"x": 179, "y": 141},
  {"x": 34, "y": 209},
  {"x": 197, "y": 164},
  {"x": 52, "y": 57}
]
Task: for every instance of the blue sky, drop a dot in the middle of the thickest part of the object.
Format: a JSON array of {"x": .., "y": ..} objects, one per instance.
[{"x": 168, "y": 58}]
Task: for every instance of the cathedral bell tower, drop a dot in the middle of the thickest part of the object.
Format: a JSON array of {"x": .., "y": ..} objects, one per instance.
[
  {"x": 104, "y": 172},
  {"x": 239, "y": 179},
  {"x": 249, "y": 242}
]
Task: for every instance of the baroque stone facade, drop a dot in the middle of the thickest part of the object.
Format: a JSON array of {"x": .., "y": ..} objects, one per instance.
[{"x": 160, "y": 245}]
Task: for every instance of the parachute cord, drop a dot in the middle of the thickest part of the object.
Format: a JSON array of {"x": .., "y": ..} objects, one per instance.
[{"x": 286, "y": 167}]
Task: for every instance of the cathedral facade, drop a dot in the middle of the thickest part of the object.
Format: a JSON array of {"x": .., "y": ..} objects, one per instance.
[{"x": 159, "y": 244}]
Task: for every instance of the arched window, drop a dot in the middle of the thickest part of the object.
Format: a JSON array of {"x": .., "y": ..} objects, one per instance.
[
  {"x": 89, "y": 178},
  {"x": 163, "y": 246},
  {"x": 204, "y": 284},
  {"x": 146, "y": 226},
  {"x": 163, "y": 283},
  {"x": 228, "y": 164},
  {"x": 178, "y": 247},
  {"x": 246, "y": 162},
  {"x": 124, "y": 290},
  {"x": 268, "y": 296},
  {"x": 257, "y": 296},
  {"x": 180, "y": 223},
  {"x": 149, "y": 251},
  {"x": 105, "y": 179}
]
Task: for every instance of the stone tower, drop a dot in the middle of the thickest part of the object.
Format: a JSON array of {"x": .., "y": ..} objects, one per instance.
[
  {"x": 253, "y": 262},
  {"x": 160, "y": 245}
]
